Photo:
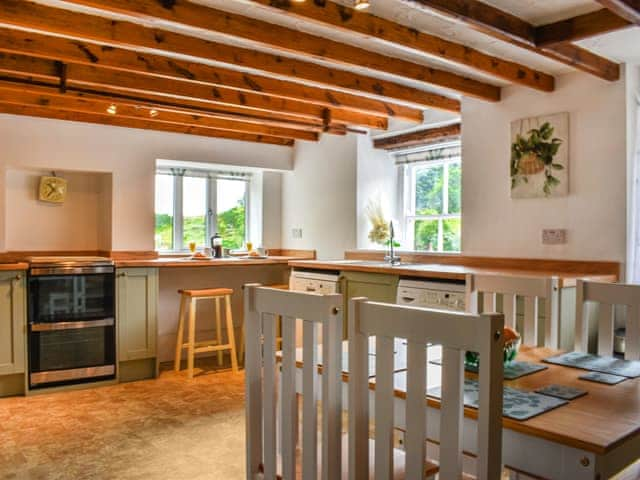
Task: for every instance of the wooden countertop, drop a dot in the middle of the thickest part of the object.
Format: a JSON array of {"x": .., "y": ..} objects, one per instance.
[
  {"x": 441, "y": 271},
  {"x": 182, "y": 262},
  {"x": 603, "y": 419},
  {"x": 4, "y": 267}
]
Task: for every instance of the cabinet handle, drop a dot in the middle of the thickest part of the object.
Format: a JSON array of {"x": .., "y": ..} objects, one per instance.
[
  {"x": 122, "y": 274},
  {"x": 18, "y": 278}
]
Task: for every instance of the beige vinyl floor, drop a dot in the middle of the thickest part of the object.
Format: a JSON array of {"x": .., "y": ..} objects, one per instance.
[{"x": 165, "y": 429}]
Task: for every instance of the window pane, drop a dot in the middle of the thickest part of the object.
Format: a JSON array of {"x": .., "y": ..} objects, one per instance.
[
  {"x": 164, "y": 212},
  {"x": 451, "y": 235},
  {"x": 194, "y": 211},
  {"x": 231, "y": 212},
  {"x": 429, "y": 190},
  {"x": 426, "y": 235},
  {"x": 454, "y": 187}
]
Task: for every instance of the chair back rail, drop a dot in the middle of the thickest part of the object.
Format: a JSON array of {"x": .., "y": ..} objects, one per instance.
[
  {"x": 266, "y": 427},
  {"x": 532, "y": 290},
  {"x": 457, "y": 333},
  {"x": 608, "y": 296}
]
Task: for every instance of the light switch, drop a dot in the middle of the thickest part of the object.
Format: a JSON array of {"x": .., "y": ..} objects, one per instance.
[
  {"x": 296, "y": 232},
  {"x": 554, "y": 236}
]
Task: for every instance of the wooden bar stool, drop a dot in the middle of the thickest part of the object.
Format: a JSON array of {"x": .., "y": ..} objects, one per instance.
[{"x": 193, "y": 347}]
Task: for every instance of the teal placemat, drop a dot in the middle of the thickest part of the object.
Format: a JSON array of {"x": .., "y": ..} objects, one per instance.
[
  {"x": 517, "y": 404},
  {"x": 595, "y": 363}
]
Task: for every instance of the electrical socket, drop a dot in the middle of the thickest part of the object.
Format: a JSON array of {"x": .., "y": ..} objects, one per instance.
[
  {"x": 296, "y": 233},
  {"x": 554, "y": 236}
]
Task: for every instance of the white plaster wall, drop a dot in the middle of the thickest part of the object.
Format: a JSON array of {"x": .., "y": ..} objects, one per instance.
[
  {"x": 129, "y": 155},
  {"x": 632, "y": 100},
  {"x": 594, "y": 213},
  {"x": 80, "y": 223},
  {"x": 319, "y": 196},
  {"x": 377, "y": 181}
]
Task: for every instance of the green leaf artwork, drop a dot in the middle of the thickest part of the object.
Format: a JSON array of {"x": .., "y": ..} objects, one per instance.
[{"x": 539, "y": 157}]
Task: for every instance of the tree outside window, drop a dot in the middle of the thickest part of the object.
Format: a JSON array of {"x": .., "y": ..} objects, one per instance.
[
  {"x": 194, "y": 208},
  {"x": 432, "y": 220}
]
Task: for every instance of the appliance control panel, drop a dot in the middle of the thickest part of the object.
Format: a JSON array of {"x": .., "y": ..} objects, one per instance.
[{"x": 439, "y": 295}]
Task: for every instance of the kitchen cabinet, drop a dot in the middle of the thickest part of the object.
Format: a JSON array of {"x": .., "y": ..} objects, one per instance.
[
  {"x": 137, "y": 322},
  {"x": 378, "y": 287},
  {"x": 13, "y": 329}
]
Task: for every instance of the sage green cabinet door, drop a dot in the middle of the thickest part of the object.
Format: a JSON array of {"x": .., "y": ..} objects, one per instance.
[
  {"x": 12, "y": 322},
  {"x": 377, "y": 287},
  {"x": 137, "y": 309}
]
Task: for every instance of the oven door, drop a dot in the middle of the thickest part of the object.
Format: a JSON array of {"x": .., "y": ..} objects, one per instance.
[
  {"x": 71, "y": 352},
  {"x": 59, "y": 297}
]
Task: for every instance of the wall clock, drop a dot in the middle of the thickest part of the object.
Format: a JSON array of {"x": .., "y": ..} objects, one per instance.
[{"x": 53, "y": 189}]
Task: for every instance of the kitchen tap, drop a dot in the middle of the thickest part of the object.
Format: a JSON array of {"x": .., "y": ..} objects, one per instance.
[{"x": 391, "y": 258}]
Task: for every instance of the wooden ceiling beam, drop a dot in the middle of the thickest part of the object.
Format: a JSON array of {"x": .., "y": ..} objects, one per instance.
[
  {"x": 420, "y": 137},
  {"x": 351, "y": 20},
  {"x": 161, "y": 102},
  {"x": 185, "y": 13},
  {"x": 627, "y": 9},
  {"x": 579, "y": 28},
  {"x": 86, "y": 75},
  {"x": 20, "y": 95},
  {"x": 511, "y": 29},
  {"x": 45, "y": 112},
  {"x": 25, "y": 14},
  {"x": 63, "y": 49}
]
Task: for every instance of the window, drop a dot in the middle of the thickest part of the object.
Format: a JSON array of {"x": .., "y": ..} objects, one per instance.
[
  {"x": 432, "y": 199},
  {"x": 193, "y": 205}
]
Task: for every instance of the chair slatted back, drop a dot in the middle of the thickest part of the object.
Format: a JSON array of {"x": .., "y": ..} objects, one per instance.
[
  {"x": 457, "y": 333},
  {"x": 532, "y": 290},
  {"x": 262, "y": 307},
  {"x": 608, "y": 295}
]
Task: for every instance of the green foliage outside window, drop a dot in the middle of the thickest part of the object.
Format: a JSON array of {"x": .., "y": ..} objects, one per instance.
[
  {"x": 231, "y": 227},
  {"x": 430, "y": 202}
]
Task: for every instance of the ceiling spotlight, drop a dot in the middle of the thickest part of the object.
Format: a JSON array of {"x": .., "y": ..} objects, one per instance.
[
  {"x": 153, "y": 112},
  {"x": 361, "y": 4},
  {"x": 112, "y": 109}
]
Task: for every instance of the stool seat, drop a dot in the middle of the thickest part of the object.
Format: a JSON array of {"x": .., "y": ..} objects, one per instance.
[{"x": 207, "y": 292}]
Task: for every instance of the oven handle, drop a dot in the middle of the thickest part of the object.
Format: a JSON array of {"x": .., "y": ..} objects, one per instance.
[
  {"x": 39, "y": 271},
  {"x": 48, "y": 327}
]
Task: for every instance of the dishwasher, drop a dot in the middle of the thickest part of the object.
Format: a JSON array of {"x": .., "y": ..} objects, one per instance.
[
  {"x": 313, "y": 282},
  {"x": 438, "y": 294}
]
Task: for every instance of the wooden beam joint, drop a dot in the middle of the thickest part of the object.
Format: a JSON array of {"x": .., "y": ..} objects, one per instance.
[{"x": 61, "y": 68}]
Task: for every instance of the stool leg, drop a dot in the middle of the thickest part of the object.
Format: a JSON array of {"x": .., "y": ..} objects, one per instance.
[
  {"x": 219, "y": 329},
  {"x": 230, "y": 333},
  {"x": 192, "y": 337},
  {"x": 241, "y": 345},
  {"x": 179, "y": 340}
]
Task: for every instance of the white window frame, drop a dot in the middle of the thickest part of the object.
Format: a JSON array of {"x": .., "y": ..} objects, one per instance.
[
  {"x": 211, "y": 220},
  {"x": 410, "y": 217}
]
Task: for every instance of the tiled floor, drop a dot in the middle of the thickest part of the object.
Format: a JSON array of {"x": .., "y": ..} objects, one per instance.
[{"x": 165, "y": 429}]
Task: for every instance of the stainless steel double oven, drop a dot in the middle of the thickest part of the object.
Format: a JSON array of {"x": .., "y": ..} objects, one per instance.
[{"x": 71, "y": 320}]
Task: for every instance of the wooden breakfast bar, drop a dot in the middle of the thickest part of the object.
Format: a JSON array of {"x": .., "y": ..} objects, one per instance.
[{"x": 594, "y": 436}]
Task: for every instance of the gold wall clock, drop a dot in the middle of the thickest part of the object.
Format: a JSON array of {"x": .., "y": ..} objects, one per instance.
[{"x": 53, "y": 189}]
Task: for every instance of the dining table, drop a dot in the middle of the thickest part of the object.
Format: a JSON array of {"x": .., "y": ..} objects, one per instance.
[{"x": 595, "y": 436}]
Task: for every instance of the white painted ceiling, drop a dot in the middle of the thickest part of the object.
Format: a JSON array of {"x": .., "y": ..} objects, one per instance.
[{"x": 622, "y": 46}]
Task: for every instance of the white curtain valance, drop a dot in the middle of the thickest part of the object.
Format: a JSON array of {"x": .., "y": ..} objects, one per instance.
[
  {"x": 438, "y": 153},
  {"x": 188, "y": 172}
]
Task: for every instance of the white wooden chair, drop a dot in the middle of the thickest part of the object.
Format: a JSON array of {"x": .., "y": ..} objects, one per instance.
[
  {"x": 532, "y": 289},
  {"x": 608, "y": 295},
  {"x": 457, "y": 333},
  {"x": 262, "y": 307}
]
